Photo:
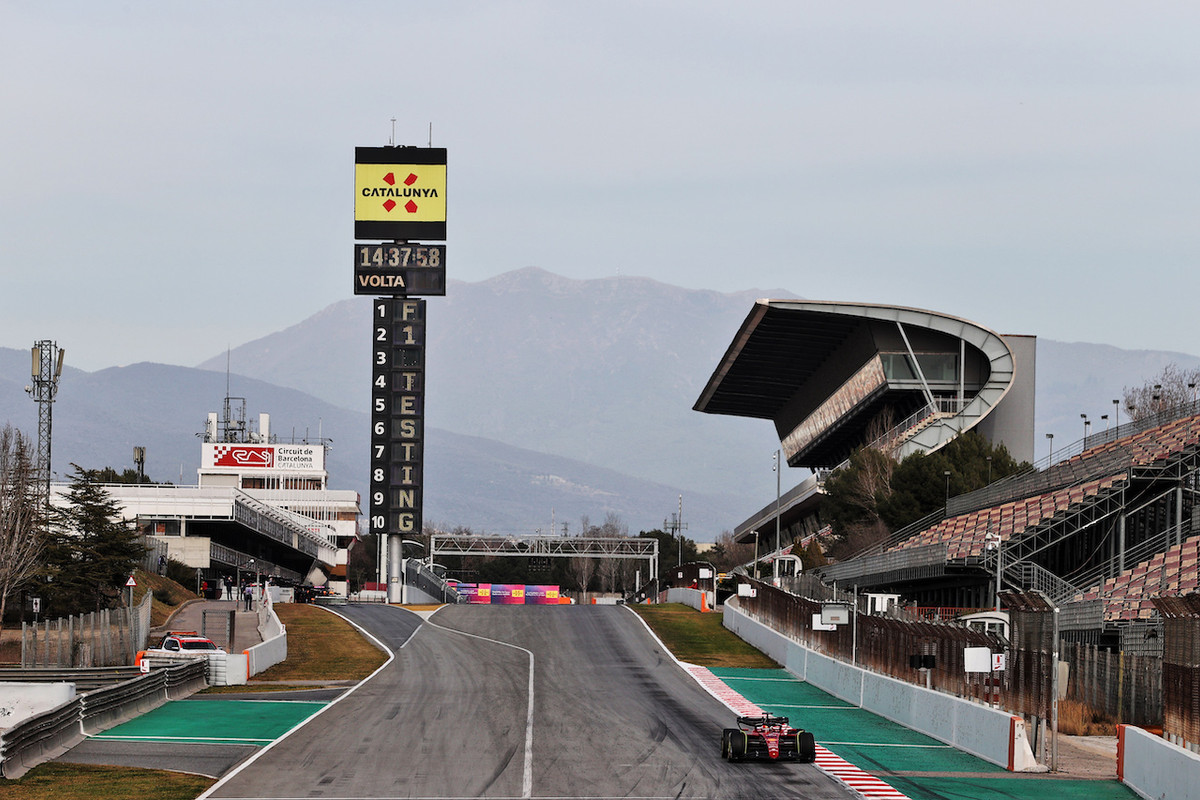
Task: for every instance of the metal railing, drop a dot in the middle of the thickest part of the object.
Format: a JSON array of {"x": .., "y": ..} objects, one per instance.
[
  {"x": 914, "y": 558},
  {"x": 419, "y": 575},
  {"x": 44, "y": 736},
  {"x": 1060, "y": 468}
]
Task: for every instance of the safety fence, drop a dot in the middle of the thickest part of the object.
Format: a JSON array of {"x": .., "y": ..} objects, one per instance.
[
  {"x": 1124, "y": 687},
  {"x": 108, "y": 637},
  {"x": 1181, "y": 669},
  {"x": 916, "y": 651}
]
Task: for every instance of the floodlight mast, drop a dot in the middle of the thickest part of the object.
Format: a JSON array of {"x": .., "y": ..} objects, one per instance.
[{"x": 46, "y": 369}]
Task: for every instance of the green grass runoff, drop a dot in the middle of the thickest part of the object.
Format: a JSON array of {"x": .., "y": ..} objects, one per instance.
[
  {"x": 53, "y": 781},
  {"x": 700, "y": 638}
]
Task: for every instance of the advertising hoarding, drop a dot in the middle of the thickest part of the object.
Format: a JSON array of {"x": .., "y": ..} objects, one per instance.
[
  {"x": 400, "y": 193},
  {"x": 275, "y": 457}
]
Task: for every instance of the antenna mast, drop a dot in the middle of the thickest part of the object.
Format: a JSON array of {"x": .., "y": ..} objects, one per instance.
[{"x": 46, "y": 370}]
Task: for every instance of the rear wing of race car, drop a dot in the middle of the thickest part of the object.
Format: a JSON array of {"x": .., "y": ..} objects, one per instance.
[{"x": 765, "y": 719}]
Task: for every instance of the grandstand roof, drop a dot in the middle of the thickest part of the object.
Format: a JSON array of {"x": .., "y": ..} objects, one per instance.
[{"x": 830, "y": 374}]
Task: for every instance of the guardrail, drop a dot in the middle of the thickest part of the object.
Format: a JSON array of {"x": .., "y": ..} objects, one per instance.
[{"x": 51, "y": 733}]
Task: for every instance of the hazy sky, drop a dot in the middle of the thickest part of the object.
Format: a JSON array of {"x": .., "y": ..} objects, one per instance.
[{"x": 176, "y": 178}]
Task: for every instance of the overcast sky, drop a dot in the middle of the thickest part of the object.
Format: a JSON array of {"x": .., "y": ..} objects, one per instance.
[{"x": 176, "y": 178}]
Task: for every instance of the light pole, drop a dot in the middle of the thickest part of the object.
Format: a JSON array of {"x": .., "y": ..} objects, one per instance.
[
  {"x": 1050, "y": 459},
  {"x": 778, "y": 468},
  {"x": 993, "y": 543},
  {"x": 1117, "y": 414},
  {"x": 989, "y": 463},
  {"x": 1086, "y": 425},
  {"x": 947, "y": 474}
]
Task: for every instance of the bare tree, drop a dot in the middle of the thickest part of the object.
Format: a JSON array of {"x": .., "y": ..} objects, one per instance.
[
  {"x": 581, "y": 569},
  {"x": 22, "y": 518},
  {"x": 1173, "y": 387},
  {"x": 727, "y": 553},
  {"x": 610, "y": 568}
]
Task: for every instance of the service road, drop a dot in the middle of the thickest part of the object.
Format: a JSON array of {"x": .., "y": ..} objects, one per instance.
[{"x": 518, "y": 701}]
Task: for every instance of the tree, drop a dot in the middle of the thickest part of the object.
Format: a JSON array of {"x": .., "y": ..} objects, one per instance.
[
  {"x": 874, "y": 496},
  {"x": 726, "y": 554},
  {"x": 669, "y": 552},
  {"x": 362, "y": 561},
  {"x": 129, "y": 475},
  {"x": 91, "y": 550},
  {"x": 854, "y": 496},
  {"x": 22, "y": 518},
  {"x": 1173, "y": 387},
  {"x": 919, "y": 483},
  {"x": 610, "y": 569}
]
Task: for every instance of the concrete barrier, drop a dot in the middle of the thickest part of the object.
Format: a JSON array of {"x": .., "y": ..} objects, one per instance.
[
  {"x": 1154, "y": 767},
  {"x": 20, "y": 701},
  {"x": 992, "y": 735},
  {"x": 701, "y": 601}
]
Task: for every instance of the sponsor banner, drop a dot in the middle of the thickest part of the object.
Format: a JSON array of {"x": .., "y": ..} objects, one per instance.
[
  {"x": 276, "y": 457},
  {"x": 476, "y": 592},
  {"x": 400, "y": 193},
  {"x": 508, "y": 594},
  {"x": 541, "y": 595}
]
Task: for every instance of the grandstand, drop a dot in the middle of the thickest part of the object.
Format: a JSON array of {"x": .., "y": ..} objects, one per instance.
[
  {"x": 1100, "y": 532},
  {"x": 1100, "y": 529}
]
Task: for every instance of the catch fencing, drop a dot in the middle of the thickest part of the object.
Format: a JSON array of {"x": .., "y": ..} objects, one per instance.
[
  {"x": 885, "y": 645},
  {"x": 1125, "y": 687},
  {"x": 1181, "y": 669},
  {"x": 105, "y": 638}
]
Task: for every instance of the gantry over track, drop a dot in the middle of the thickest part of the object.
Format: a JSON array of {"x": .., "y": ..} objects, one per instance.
[{"x": 546, "y": 547}]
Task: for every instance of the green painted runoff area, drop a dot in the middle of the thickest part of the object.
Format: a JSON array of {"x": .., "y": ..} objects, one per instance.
[
  {"x": 257, "y": 722},
  {"x": 917, "y": 765}
]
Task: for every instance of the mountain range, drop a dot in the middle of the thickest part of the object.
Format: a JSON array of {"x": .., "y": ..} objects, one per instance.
[{"x": 548, "y": 399}]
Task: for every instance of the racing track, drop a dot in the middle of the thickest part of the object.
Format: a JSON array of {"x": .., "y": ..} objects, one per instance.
[{"x": 613, "y": 716}]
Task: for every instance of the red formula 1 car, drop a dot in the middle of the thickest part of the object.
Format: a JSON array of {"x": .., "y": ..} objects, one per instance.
[{"x": 767, "y": 738}]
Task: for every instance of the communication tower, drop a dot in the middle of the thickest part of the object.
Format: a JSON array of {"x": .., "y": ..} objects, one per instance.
[{"x": 46, "y": 370}]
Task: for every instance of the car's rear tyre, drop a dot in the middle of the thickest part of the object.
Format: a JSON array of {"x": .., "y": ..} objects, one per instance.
[
  {"x": 806, "y": 747},
  {"x": 736, "y": 745}
]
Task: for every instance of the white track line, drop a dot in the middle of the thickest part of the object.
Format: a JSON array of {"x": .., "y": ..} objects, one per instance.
[
  {"x": 391, "y": 657},
  {"x": 527, "y": 776}
]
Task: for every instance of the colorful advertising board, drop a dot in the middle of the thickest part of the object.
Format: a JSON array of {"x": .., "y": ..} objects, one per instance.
[
  {"x": 400, "y": 193},
  {"x": 509, "y": 594},
  {"x": 276, "y": 457},
  {"x": 541, "y": 595},
  {"x": 480, "y": 593}
]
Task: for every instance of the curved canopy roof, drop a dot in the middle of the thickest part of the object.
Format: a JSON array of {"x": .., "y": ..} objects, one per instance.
[{"x": 791, "y": 356}]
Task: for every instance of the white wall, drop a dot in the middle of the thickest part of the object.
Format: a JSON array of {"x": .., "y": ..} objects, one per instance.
[
  {"x": 992, "y": 735},
  {"x": 20, "y": 701},
  {"x": 1155, "y": 768}
]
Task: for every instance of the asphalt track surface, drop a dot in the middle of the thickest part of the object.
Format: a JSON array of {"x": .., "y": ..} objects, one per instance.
[{"x": 514, "y": 702}]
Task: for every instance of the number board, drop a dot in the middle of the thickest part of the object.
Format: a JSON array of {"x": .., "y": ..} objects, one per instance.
[
  {"x": 407, "y": 269},
  {"x": 397, "y": 415}
]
